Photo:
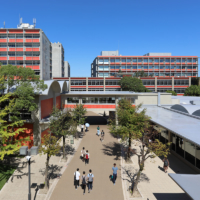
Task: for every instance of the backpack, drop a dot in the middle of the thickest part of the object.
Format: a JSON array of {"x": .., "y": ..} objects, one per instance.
[
  {"x": 165, "y": 163},
  {"x": 83, "y": 181},
  {"x": 90, "y": 178},
  {"x": 86, "y": 156}
]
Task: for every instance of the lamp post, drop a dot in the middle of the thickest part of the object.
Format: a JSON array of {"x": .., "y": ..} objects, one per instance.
[{"x": 28, "y": 153}]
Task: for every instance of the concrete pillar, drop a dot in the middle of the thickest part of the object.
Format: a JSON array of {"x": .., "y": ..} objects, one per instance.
[
  {"x": 86, "y": 83},
  {"x": 104, "y": 84},
  {"x": 155, "y": 84},
  {"x": 172, "y": 83},
  {"x": 158, "y": 98},
  {"x": 189, "y": 81},
  {"x": 69, "y": 84},
  {"x": 116, "y": 105}
]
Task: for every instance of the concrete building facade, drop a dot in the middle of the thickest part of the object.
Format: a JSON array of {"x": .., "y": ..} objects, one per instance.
[{"x": 67, "y": 69}]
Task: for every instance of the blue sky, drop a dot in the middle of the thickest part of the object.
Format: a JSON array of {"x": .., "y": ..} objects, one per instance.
[{"x": 134, "y": 27}]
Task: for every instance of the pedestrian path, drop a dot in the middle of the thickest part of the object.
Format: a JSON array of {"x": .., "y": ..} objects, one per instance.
[{"x": 102, "y": 157}]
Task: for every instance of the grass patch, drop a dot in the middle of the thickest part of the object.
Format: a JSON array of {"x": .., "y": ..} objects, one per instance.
[{"x": 5, "y": 172}]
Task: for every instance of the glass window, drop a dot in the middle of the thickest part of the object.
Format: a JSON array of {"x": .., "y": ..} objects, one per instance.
[
  {"x": 100, "y": 74},
  {"x": 128, "y": 60},
  {"x": 167, "y": 60},
  {"x": 145, "y": 67},
  {"x": 178, "y": 60},
  {"x": 156, "y": 74},
  {"x": 129, "y": 67},
  {"x": 123, "y": 67},
  {"x": 36, "y": 45},
  {"x": 180, "y": 146},
  {"x": 156, "y": 60},
  {"x": 139, "y": 60},
  {"x": 19, "y": 45},
  {"x": 194, "y": 59},
  {"x": 112, "y": 60},
  {"x": 112, "y": 67},
  {"x": 164, "y": 136},
  {"x": 117, "y": 60},
  {"x": 112, "y": 74},
  {"x": 178, "y": 67},
  {"x": 134, "y": 59},
  {"x": 139, "y": 67},
  {"x": 183, "y": 59},
  {"x": 106, "y": 68},
  {"x": 73, "y": 100},
  {"x": 11, "y": 45},
  {"x": 161, "y": 60},
  {"x": 117, "y": 67},
  {"x": 167, "y": 67},
  {"x": 100, "y": 67},
  {"x": 172, "y": 67},
  {"x": 11, "y": 36},
  {"x": 105, "y": 61},
  {"x": 188, "y": 67},
  {"x": 189, "y": 60},
  {"x": 123, "y": 60},
  {"x": 161, "y": 74},
  {"x": 173, "y": 142},
  {"x": 106, "y": 74},
  {"x": 102, "y": 100},
  {"x": 172, "y": 59},
  {"x": 198, "y": 157},
  {"x": 36, "y": 36},
  {"x": 134, "y": 67},
  {"x": 3, "y": 45},
  {"x": 190, "y": 152},
  {"x": 156, "y": 67},
  {"x": 150, "y": 67},
  {"x": 145, "y": 60},
  {"x": 19, "y": 53},
  {"x": 161, "y": 67},
  {"x": 3, "y": 36},
  {"x": 150, "y": 60},
  {"x": 28, "y": 36},
  {"x": 100, "y": 61},
  {"x": 19, "y": 36}
]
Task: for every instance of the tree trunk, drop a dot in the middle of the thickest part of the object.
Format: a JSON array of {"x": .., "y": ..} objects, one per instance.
[
  {"x": 46, "y": 173},
  {"x": 64, "y": 154},
  {"x": 129, "y": 148},
  {"x": 136, "y": 181}
]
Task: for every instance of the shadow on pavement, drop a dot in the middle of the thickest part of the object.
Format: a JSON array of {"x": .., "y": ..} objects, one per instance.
[
  {"x": 112, "y": 149},
  {"x": 96, "y": 120},
  {"x": 171, "y": 196}
]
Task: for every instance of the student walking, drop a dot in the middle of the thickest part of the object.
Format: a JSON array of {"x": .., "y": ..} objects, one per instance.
[
  {"x": 115, "y": 173},
  {"x": 98, "y": 130},
  {"x": 166, "y": 164},
  {"x": 83, "y": 178},
  {"x": 83, "y": 154},
  {"x": 90, "y": 178},
  {"x": 87, "y": 157},
  {"x": 102, "y": 135},
  {"x": 76, "y": 178},
  {"x": 82, "y": 128}
]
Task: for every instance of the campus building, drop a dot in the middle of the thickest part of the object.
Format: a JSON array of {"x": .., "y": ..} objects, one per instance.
[
  {"x": 164, "y": 65},
  {"x": 29, "y": 47},
  {"x": 155, "y": 84}
]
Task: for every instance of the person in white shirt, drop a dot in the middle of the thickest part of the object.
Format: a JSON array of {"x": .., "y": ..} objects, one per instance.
[
  {"x": 76, "y": 178},
  {"x": 82, "y": 128},
  {"x": 83, "y": 154}
]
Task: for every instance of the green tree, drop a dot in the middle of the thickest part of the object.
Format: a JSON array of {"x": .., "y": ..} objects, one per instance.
[
  {"x": 133, "y": 123},
  {"x": 18, "y": 87},
  {"x": 129, "y": 83},
  {"x": 62, "y": 123},
  {"x": 141, "y": 73},
  {"x": 78, "y": 112},
  {"x": 172, "y": 92},
  {"x": 193, "y": 90},
  {"x": 50, "y": 147}
]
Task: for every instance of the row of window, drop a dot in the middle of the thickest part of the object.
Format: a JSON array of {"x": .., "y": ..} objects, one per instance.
[
  {"x": 21, "y": 62},
  {"x": 20, "y": 54},
  {"x": 107, "y": 68},
  {"x": 18, "y": 45},
  {"x": 145, "y": 60},
  {"x": 94, "y": 82},
  {"x": 19, "y": 36},
  {"x": 151, "y": 74},
  {"x": 165, "y": 82}
]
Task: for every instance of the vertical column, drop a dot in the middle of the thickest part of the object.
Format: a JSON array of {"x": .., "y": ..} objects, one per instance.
[
  {"x": 80, "y": 100},
  {"x": 172, "y": 83},
  {"x": 155, "y": 84},
  {"x": 86, "y": 83},
  {"x": 116, "y": 104},
  {"x": 169, "y": 138},
  {"x": 104, "y": 83},
  {"x": 69, "y": 84},
  {"x": 158, "y": 98},
  {"x": 189, "y": 81}
]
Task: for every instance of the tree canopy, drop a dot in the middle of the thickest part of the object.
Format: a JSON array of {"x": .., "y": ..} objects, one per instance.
[
  {"x": 193, "y": 90},
  {"x": 172, "y": 92},
  {"x": 79, "y": 111},
  {"x": 18, "y": 87},
  {"x": 141, "y": 73},
  {"x": 129, "y": 83}
]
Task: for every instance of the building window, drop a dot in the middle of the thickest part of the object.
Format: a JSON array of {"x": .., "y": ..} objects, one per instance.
[
  {"x": 11, "y": 36},
  {"x": 95, "y": 82},
  {"x": 189, "y": 60},
  {"x": 164, "y": 82},
  {"x": 112, "y": 60},
  {"x": 128, "y": 60},
  {"x": 139, "y": 67},
  {"x": 172, "y": 67},
  {"x": 112, "y": 82},
  {"x": 194, "y": 60},
  {"x": 183, "y": 60},
  {"x": 145, "y": 67},
  {"x": 145, "y": 60},
  {"x": 139, "y": 60},
  {"x": 167, "y": 67},
  {"x": 172, "y": 59},
  {"x": 167, "y": 60},
  {"x": 101, "y": 68},
  {"x": 134, "y": 67},
  {"x": 105, "y": 61},
  {"x": 123, "y": 60},
  {"x": 3, "y": 36},
  {"x": 73, "y": 100},
  {"x": 148, "y": 82},
  {"x": 117, "y": 67},
  {"x": 112, "y": 67},
  {"x": 123, "y": 67},
  {"x": 161, "y": 60},
  {"x": 180, "y": 146},
  {"x": 178, "y": 60},
  {"x": 190, "y": 152},
  {"x": 100, "y": 61},
  {"x": 156, "y": 60},
  {"x": 134, "y": 60},
  {"x": 117, "y": 60},
  {"x": 128, "y": 67},
  {"x": 150, "y": 60}
]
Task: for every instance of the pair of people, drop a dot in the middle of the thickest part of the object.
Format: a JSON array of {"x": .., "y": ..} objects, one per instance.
[
  {"x": 89, "y": 179},
  {"x": 85, "y": 156}
]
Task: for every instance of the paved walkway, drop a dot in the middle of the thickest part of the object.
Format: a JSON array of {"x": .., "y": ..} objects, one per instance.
[{"x": 103, "y": 155}]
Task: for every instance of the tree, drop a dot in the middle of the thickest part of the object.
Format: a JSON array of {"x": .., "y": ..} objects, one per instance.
[
  {"x": 50, "y": 147},
  {"x": 78, "y": 112},
  {"x": 62, "y": 123},
  {"x": 193, "y": 90},
  {"x": 134, "y": 124},
  {"x": 140, "y": 74},
  {"x": 129, "y": 83},
  {"x": 172, "y": 92},
  {"x": 18, "y": 87}
]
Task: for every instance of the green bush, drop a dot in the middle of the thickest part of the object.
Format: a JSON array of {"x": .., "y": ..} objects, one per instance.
[
  {"x": 172, "y": 92},
  {"x": 193, "y": 90}
]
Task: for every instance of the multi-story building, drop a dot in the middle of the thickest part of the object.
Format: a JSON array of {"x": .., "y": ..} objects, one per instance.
[
  {"x": 67, "y": 69},
  {"x": 58, "y": 69},
  {"x": 154, "y": 64},
  {"x": 155, "y": 84}
]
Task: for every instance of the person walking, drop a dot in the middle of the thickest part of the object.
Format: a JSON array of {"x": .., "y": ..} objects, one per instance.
[
  {"x": 114, "y": 172},
  {"x": 83, "y": 154},
  {"x": 87, "y": 156},
  {"x": 84, "y": 183},
  {"x": 98, "y": 130},
  {"x": 166, "y": 164},
  {"x": 82, "y": 128},
  {"x": 90, "y": 178},
  {"x": 76, "y": 178},
  {"x": 102, "y": 135}
]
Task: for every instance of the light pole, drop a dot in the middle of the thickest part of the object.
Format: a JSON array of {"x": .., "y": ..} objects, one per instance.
[{"x": 28, "y": 153}]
